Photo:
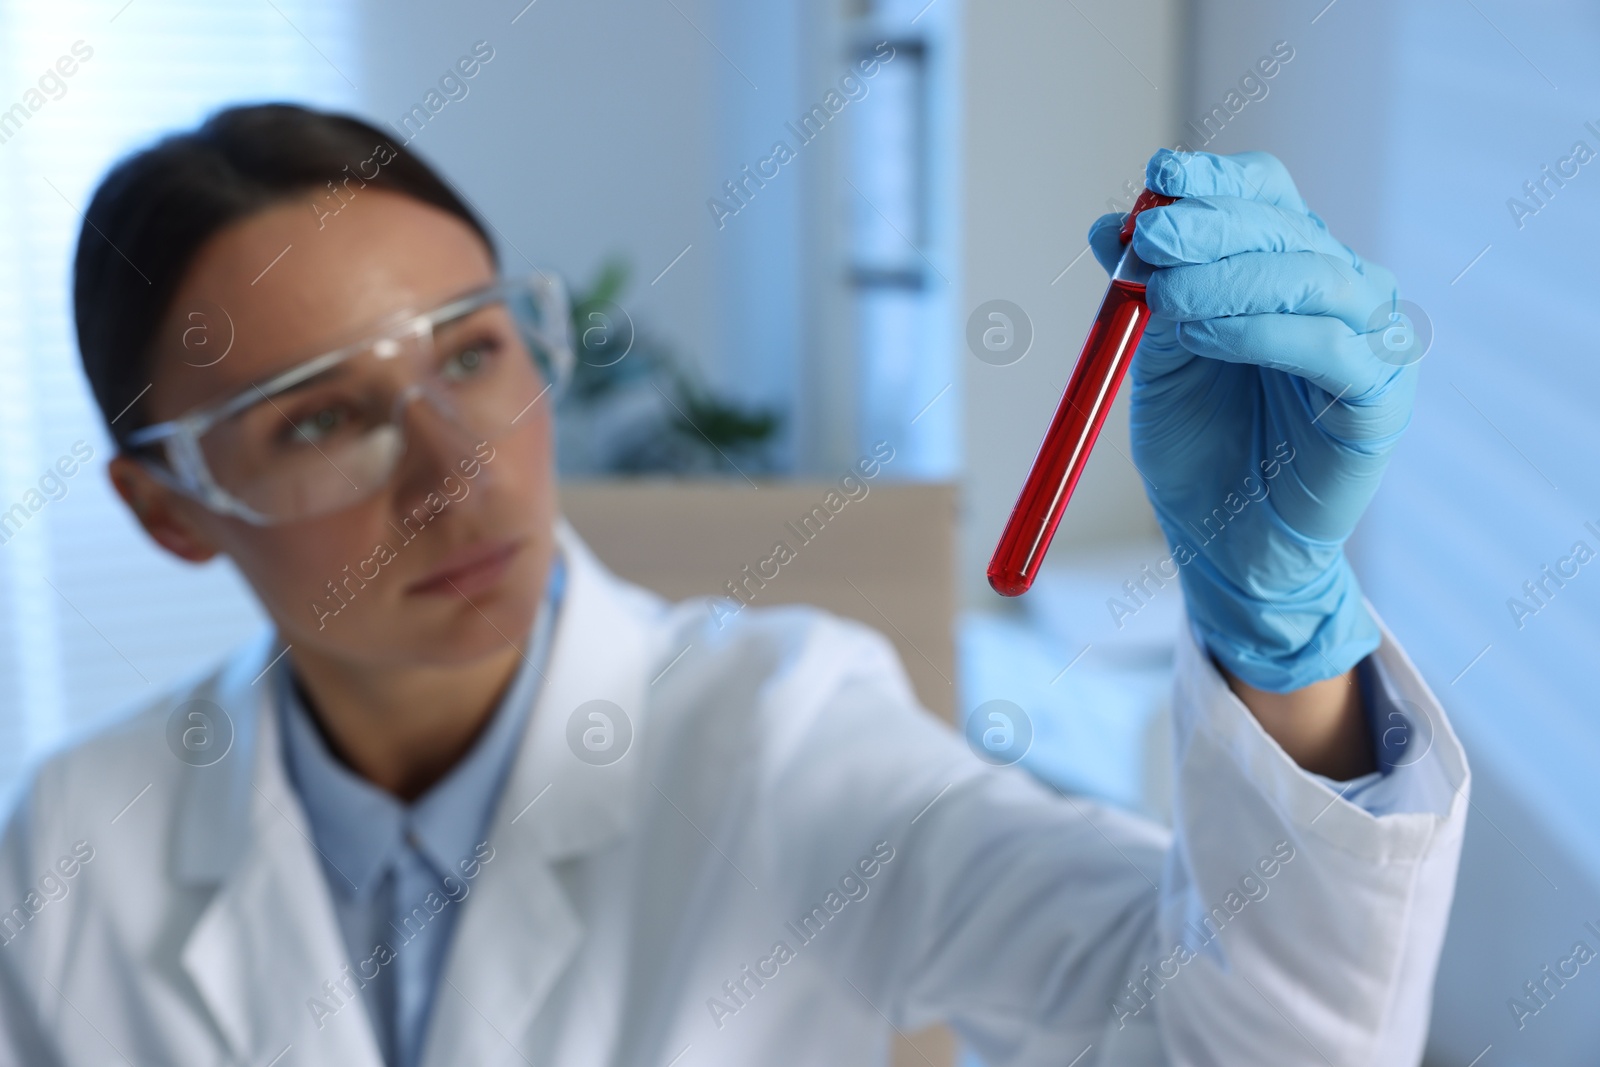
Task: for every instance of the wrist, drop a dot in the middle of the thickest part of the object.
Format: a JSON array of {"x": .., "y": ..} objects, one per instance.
[{"x": 1322, "y": 726}]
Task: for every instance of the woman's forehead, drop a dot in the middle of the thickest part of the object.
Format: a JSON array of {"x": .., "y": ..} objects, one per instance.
[{"x": 291, "y": 281}]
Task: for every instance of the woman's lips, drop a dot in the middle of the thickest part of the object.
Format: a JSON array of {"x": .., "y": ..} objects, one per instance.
[{"x": 468, "y": 571}]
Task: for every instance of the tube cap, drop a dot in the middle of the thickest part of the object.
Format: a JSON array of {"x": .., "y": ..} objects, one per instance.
[{"x": 1147, "y": 199}]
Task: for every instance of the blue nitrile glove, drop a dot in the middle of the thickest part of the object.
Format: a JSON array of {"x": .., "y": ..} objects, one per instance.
[{"x": 1262, "y": 412}]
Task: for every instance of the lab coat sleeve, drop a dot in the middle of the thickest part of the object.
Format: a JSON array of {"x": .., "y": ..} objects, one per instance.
[
  {"x": 1278, "y": 922},
  {"x": 1336, "y": 962}
]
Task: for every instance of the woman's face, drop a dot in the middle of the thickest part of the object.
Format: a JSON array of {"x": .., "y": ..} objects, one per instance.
[{"x": 293, "y": 285}]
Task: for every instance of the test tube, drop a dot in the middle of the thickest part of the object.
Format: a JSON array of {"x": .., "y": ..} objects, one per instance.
[{"x": 1101, "y": 366}]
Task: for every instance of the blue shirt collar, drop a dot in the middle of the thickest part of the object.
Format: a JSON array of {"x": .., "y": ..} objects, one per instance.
[{"x": 358, "y": 828}]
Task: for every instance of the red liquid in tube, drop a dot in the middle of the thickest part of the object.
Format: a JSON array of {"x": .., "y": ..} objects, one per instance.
[{"x": 1107, "y": 352}]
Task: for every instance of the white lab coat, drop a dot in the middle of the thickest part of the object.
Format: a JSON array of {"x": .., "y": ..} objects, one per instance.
[{"x": 778, "y": 755}]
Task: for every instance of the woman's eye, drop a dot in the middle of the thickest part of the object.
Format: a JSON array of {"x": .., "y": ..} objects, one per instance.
[
  {"x": 316, "y": 425},
  {"x": 469, "y": 361}
]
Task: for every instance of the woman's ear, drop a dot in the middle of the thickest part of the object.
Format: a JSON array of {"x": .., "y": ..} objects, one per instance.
[{"x": 164, "y": 513}]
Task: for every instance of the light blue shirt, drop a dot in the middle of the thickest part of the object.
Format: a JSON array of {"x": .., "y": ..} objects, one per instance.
[{"x": 398, "y": 871}]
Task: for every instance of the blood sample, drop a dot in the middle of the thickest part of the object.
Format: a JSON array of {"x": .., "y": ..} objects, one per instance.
[{"x": 1107, "y": 352}]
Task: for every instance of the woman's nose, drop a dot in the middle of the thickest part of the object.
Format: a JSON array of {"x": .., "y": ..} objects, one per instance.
[{"x": 436, "y": 436}]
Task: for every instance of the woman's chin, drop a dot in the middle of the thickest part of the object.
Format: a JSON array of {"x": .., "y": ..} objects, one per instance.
[
  {"x": 464, "y": 631},
  {"x": 437, "y": 632}
]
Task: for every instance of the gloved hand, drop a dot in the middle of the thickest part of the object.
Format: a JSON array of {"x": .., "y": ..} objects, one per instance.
[{"x": 1262, "y": 411}]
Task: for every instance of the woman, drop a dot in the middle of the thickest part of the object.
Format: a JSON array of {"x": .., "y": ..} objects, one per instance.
[{"x": 472, "y": 799}]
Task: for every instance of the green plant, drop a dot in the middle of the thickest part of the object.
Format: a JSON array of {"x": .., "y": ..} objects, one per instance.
[{"x": 633, "y": 407}]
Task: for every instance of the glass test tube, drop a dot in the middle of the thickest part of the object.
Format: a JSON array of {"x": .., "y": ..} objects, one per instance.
[{"x": 1103, "y": 363}]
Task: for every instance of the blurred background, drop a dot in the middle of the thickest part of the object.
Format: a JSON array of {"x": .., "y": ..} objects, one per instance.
[{"x": 741, "y": 328}]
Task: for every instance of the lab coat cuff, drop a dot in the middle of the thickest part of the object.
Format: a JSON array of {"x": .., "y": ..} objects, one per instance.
[{"x": 1381, "y": 817}]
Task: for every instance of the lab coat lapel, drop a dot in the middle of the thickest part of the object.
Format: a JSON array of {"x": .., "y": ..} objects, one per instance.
[
  {"x": 520, "y": 932},
  {"x": 514, "y": 940},
  {"x": 268, "y": 939}
]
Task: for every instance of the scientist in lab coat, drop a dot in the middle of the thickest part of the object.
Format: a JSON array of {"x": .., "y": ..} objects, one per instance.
[{"x": 473, "y": 799}]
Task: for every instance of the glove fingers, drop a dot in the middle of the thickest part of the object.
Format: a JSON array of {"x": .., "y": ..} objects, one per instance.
[
  {"x": 1318, "y": 348},
  {"x": 1248, "y": 175},
  {"x": 1159, "y": 352},
  {"x": 1255, "y": 283},
  {"x": 1206, "y": 229},
  {"x": 1363, "y": 432},
  {"x": 1104, "y": 242}
]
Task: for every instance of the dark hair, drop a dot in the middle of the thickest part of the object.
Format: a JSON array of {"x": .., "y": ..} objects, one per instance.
[{"x": 157, "y": 207}]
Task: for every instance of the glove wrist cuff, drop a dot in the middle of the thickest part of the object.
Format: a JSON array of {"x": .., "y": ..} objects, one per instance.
[{"x": 1283, "y": 643}]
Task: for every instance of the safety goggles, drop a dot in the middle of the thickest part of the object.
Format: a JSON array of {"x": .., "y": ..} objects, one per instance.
[{"x": 329, "y": 432}]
